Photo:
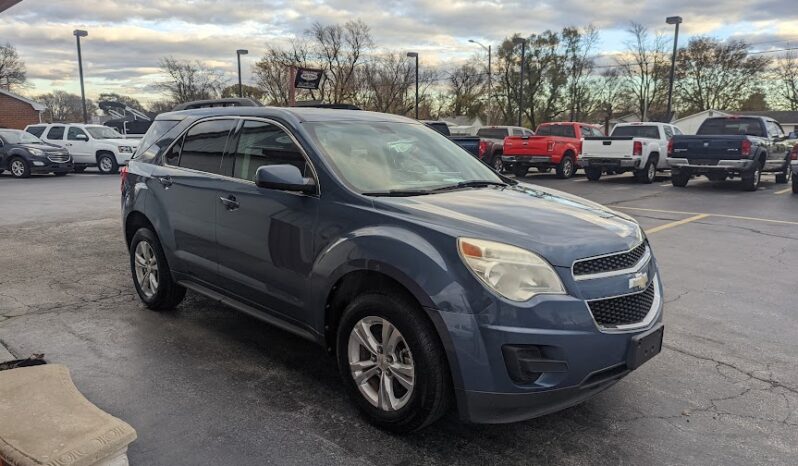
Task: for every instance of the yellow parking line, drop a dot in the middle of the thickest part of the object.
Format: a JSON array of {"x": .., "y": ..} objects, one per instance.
[
  {"x": 738, "y": 217},
  {"x": 676, "y": 223},
  {"x": 783, "y": 191}
]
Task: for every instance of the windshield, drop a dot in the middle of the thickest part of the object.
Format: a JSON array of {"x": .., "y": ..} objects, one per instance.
[
  {"x": 649, "y": 132},
  {"x": 732, "y": 126},
  {"x": 103, "y": 132},
  {"x": 380, "y": 157},
  {"x": 20, "y": 137},
  {"x": 566, "y": 131},
  {"x": 492, "y": 133}
]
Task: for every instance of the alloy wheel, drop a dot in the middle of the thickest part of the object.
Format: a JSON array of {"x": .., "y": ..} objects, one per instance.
[
  {"x": 18, "y": 168},
  {"x": 498, "y": 165},
  {"x": 568, "y": 168},
  {"x": 146, "y": 265},
  {"x": 652, "y": 172},
  {"x": 381, "y": 364},
  {"x": 105, "y": 164}
]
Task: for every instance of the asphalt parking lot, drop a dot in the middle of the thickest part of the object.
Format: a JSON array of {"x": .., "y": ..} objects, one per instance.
[{"x": 208, "y": 385}]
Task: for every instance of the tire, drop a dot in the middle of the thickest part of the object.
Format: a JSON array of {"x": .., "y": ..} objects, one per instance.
[
  {"x": 784, "y": 177},
  {"x": 593, "y": 174},
  {"x": 497, "y": 163},
  {"x": 165, "y": 294},
  {"x": 19, "y": 167},
  {"x": 566, "y": 168},
  {"x": 680, "y": 179},
  {"x": 649, "y": 173},
  {"x": 106, "y": 163},
  {"x": 79, "y": 169},
  {"x": 60, "y": 173},
  {"x": 520, "y": 170},
  {"x": 795, "y": 185},
  {"x": 418, "y": 346},
  {"x": 752, "y": 178}
]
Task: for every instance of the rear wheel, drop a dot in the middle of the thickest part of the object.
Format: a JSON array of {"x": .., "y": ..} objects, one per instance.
[
  {"x": 752, "y": 178},
  {"x": 392, "y": 362},
  {"x": 680, "y": 179},
  {"x": 648, "y": 173},
  {"x": 565, "y": 169},
  {"x": 106, "y": 163},
  {"x": 520, "y": 170},
  {"x": 151, "y": 275},
  {"x": 497, "y": 163},
  {"x": 593, "y": 174},
  {"x": 19, "y": 168}
]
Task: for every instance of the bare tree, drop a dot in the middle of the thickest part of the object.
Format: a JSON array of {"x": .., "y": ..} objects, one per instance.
[
  {"x": 786, "y": 81},
  {"x": 610, "y": 97},
  {"x": 467, "y": 86},
  {"x": 645, "y": 67},
  {"x": 340, "y": 48},
  {"x": 386, "y": 84},
  {"x": 273, "y": 72},
  {"x": 187, "y": 81},
  {"x": 578, "y": 47},
  {"x": 64, "y": 107},
  {"x": 714, "y": 74},
  {"x": 12, "y": 68}
]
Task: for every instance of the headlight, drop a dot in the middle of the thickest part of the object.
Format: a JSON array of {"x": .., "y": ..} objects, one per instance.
[
  {"x": 512, "y": 272},
  {"x": 36, "y": 152},
  {"x": 126, "y": 149}
]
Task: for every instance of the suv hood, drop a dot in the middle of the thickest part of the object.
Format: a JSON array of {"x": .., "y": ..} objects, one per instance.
[{"x": 558, "y": 226}]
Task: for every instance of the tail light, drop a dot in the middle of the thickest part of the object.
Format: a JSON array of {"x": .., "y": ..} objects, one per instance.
[
  {"x": 670, "y": 147},
  {"x": 794, "y": 152},
  {"x": 637, "y": 148},
  {"x": 123, "y": 178},
  {"x": 483, "y": 147},
  {"x": 745, "y": 148},
  {"x": 550, "y": 146}
]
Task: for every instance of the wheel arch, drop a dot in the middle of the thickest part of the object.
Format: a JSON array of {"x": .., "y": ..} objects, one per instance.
[{"x": 133, "y": 222}]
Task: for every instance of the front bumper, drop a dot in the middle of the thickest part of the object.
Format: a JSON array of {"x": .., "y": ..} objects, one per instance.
[
  {"x": 44, "y": 165},
  {"x": 721, "y": 166},
  {"x": 599, "y": 162}
]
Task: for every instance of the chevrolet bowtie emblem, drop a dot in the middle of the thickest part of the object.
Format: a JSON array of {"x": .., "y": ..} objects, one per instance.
[{"x": 639, "y": 281}]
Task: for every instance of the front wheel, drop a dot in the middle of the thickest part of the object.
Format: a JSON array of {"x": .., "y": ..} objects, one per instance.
[
  {"x": 565, "y": 169},
  {"x": 106, "y": 163},
  {"x": 497, "y": 163},
  {"x": 784, "y": 176},
  {"x": 392, "y": 363},
  {"x": 19, "y": 168},
  {"x": 151, "y": 275},
  {"x": 593, "y": 174}
]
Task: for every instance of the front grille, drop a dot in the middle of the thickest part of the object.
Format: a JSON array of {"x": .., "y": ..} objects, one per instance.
[
  {"x": 613, "y": 263},
  {"x": 58, "y": 158},
  {"x": 623, "y": 310}
]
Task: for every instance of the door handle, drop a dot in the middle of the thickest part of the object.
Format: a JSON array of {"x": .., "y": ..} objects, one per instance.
[
  {"x": 165, "y": 181},
  {"x": 69, "y": 144},
  {"x": 230, "y": 202}
]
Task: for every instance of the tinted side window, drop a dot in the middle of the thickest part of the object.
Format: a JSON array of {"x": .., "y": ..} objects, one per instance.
[
  {"x": 73, "y": 132},
  {"x": 36, "y": 130},
  {"x": 56, "y": 132},
  {"x": 204, "y": 146},
  {"x": 261, "y": 143}
]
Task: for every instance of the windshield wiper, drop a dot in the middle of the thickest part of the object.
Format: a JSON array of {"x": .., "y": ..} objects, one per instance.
[
  {"x": 471, "y": 184},
  {"x": 398, "y": 193}
]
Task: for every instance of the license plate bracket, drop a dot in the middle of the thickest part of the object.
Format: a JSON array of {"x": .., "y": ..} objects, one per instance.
[{"x": 644, "y": 347}]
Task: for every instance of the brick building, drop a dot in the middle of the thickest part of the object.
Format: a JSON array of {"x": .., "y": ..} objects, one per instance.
[{"x": 17, "y": 112}]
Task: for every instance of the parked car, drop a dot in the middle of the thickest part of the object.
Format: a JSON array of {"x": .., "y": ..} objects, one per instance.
[
  {"x": 359, "y": 231},
  {"x": 732, "y": 146},
  {"x": 22, "y": 154},
  {"x": 89, "y": 145},
  {"x": 554, "y": 145},
  {"x": 492, "y": 143},
  {"x": 640, "y": 148},
  {"x": 469, "y": 143},
  {"x": 794, "y": 166}
]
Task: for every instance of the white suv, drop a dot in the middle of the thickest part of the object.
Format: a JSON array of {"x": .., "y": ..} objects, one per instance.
[{"x": 90, "y": 145}]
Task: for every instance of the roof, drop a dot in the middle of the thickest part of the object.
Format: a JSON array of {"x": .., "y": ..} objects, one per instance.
[
  {"x": 297, "y": 114},
  {"x": 780, "y": 116},
  {"x": 36, "y": 105}
]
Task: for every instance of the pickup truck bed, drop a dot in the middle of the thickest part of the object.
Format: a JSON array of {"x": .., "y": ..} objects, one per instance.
[{"x": 640, "y": 148}]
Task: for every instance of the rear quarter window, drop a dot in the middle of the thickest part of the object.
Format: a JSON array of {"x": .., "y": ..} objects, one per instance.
[{"x": 151, "y": 143}]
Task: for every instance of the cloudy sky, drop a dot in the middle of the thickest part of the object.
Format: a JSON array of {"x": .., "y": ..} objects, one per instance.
[{"x": 128, "y": 37}]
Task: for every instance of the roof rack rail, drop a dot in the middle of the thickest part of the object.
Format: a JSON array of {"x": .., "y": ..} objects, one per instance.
[
  {"x": 333, "y": 106},
  {"x": 227, "y": 102}
]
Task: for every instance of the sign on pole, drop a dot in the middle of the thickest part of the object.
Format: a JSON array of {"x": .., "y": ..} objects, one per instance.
[{"x": 307, "y": 78}]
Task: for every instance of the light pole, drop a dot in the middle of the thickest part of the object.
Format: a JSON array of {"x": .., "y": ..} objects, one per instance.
[
  {"x": 522, "y": 41},
  {"x": 415, "y": 55},
  {"x": 675, "y": 20},
  {"x": 490, "y": 75},
  {"x": 240, "y": 52},
  {"x": 78, "y": 33}
]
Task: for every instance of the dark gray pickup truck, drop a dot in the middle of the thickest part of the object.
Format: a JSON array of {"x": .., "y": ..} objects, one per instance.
[
  {"x": 470, "y": 143},
  {"x": 729, "y": 147}
]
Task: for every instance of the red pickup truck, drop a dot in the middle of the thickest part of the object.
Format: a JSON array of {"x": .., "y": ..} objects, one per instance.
[{"x": 554, "y": 145}]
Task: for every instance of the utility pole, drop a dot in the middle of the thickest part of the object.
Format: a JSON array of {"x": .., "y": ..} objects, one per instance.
[
  {"x": 490, "y": 76},
  {"x": 522, "y": 41},
  {"x": 415, "y": 55},
  {"x": 78, "y": 33},
  {"x": 675, "y": 20},
  {"x": 240, "y": 52}
]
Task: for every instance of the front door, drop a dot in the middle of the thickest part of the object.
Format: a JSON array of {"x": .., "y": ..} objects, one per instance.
[
  {"x": 186, "y": 185},
  {"x": 78, "y": 145},
  {"x": 265, "y": 236}
]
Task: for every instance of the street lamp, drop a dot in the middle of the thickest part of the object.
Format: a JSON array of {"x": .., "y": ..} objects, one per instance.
[
  {"x": 415, "y": 55},
  {"x": 490, "y": 72},
  {"x": 675, "y": 20},
  {"x": 78, "y": 33},
  {"x": 240, "y": 52},
  {"x": 522, "y": 41}
]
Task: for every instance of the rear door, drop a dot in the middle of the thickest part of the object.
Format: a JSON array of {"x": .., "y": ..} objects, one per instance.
[
  {"x": 265, "y": 236},
  {"x": 186, "y": 188},
  {"x": 78, "y": 145},
  {"x": 55, "y": 135}
]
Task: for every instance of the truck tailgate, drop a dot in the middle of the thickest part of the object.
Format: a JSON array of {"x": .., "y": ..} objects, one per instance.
[
  {"x": 469, "y": 143},
  {"x": 707, "y": 147},
  {"x": 607, "y": 147},
  {"x": 528, "y": 145}
]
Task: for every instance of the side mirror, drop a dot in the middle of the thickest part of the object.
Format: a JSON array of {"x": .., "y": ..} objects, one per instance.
[
  {"x": 792, "y": 135},
  {"x": 284, "y": 177},
  {"x": 81, "y": 137}
]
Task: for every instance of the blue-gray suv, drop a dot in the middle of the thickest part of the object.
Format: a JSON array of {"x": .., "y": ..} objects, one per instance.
[{"x": 432, "y": 279}]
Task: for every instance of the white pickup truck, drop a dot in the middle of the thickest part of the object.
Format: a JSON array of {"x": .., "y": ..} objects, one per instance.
[
  {"x": 89, "y": 145},
  {"x": 641, "y": 148}
]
